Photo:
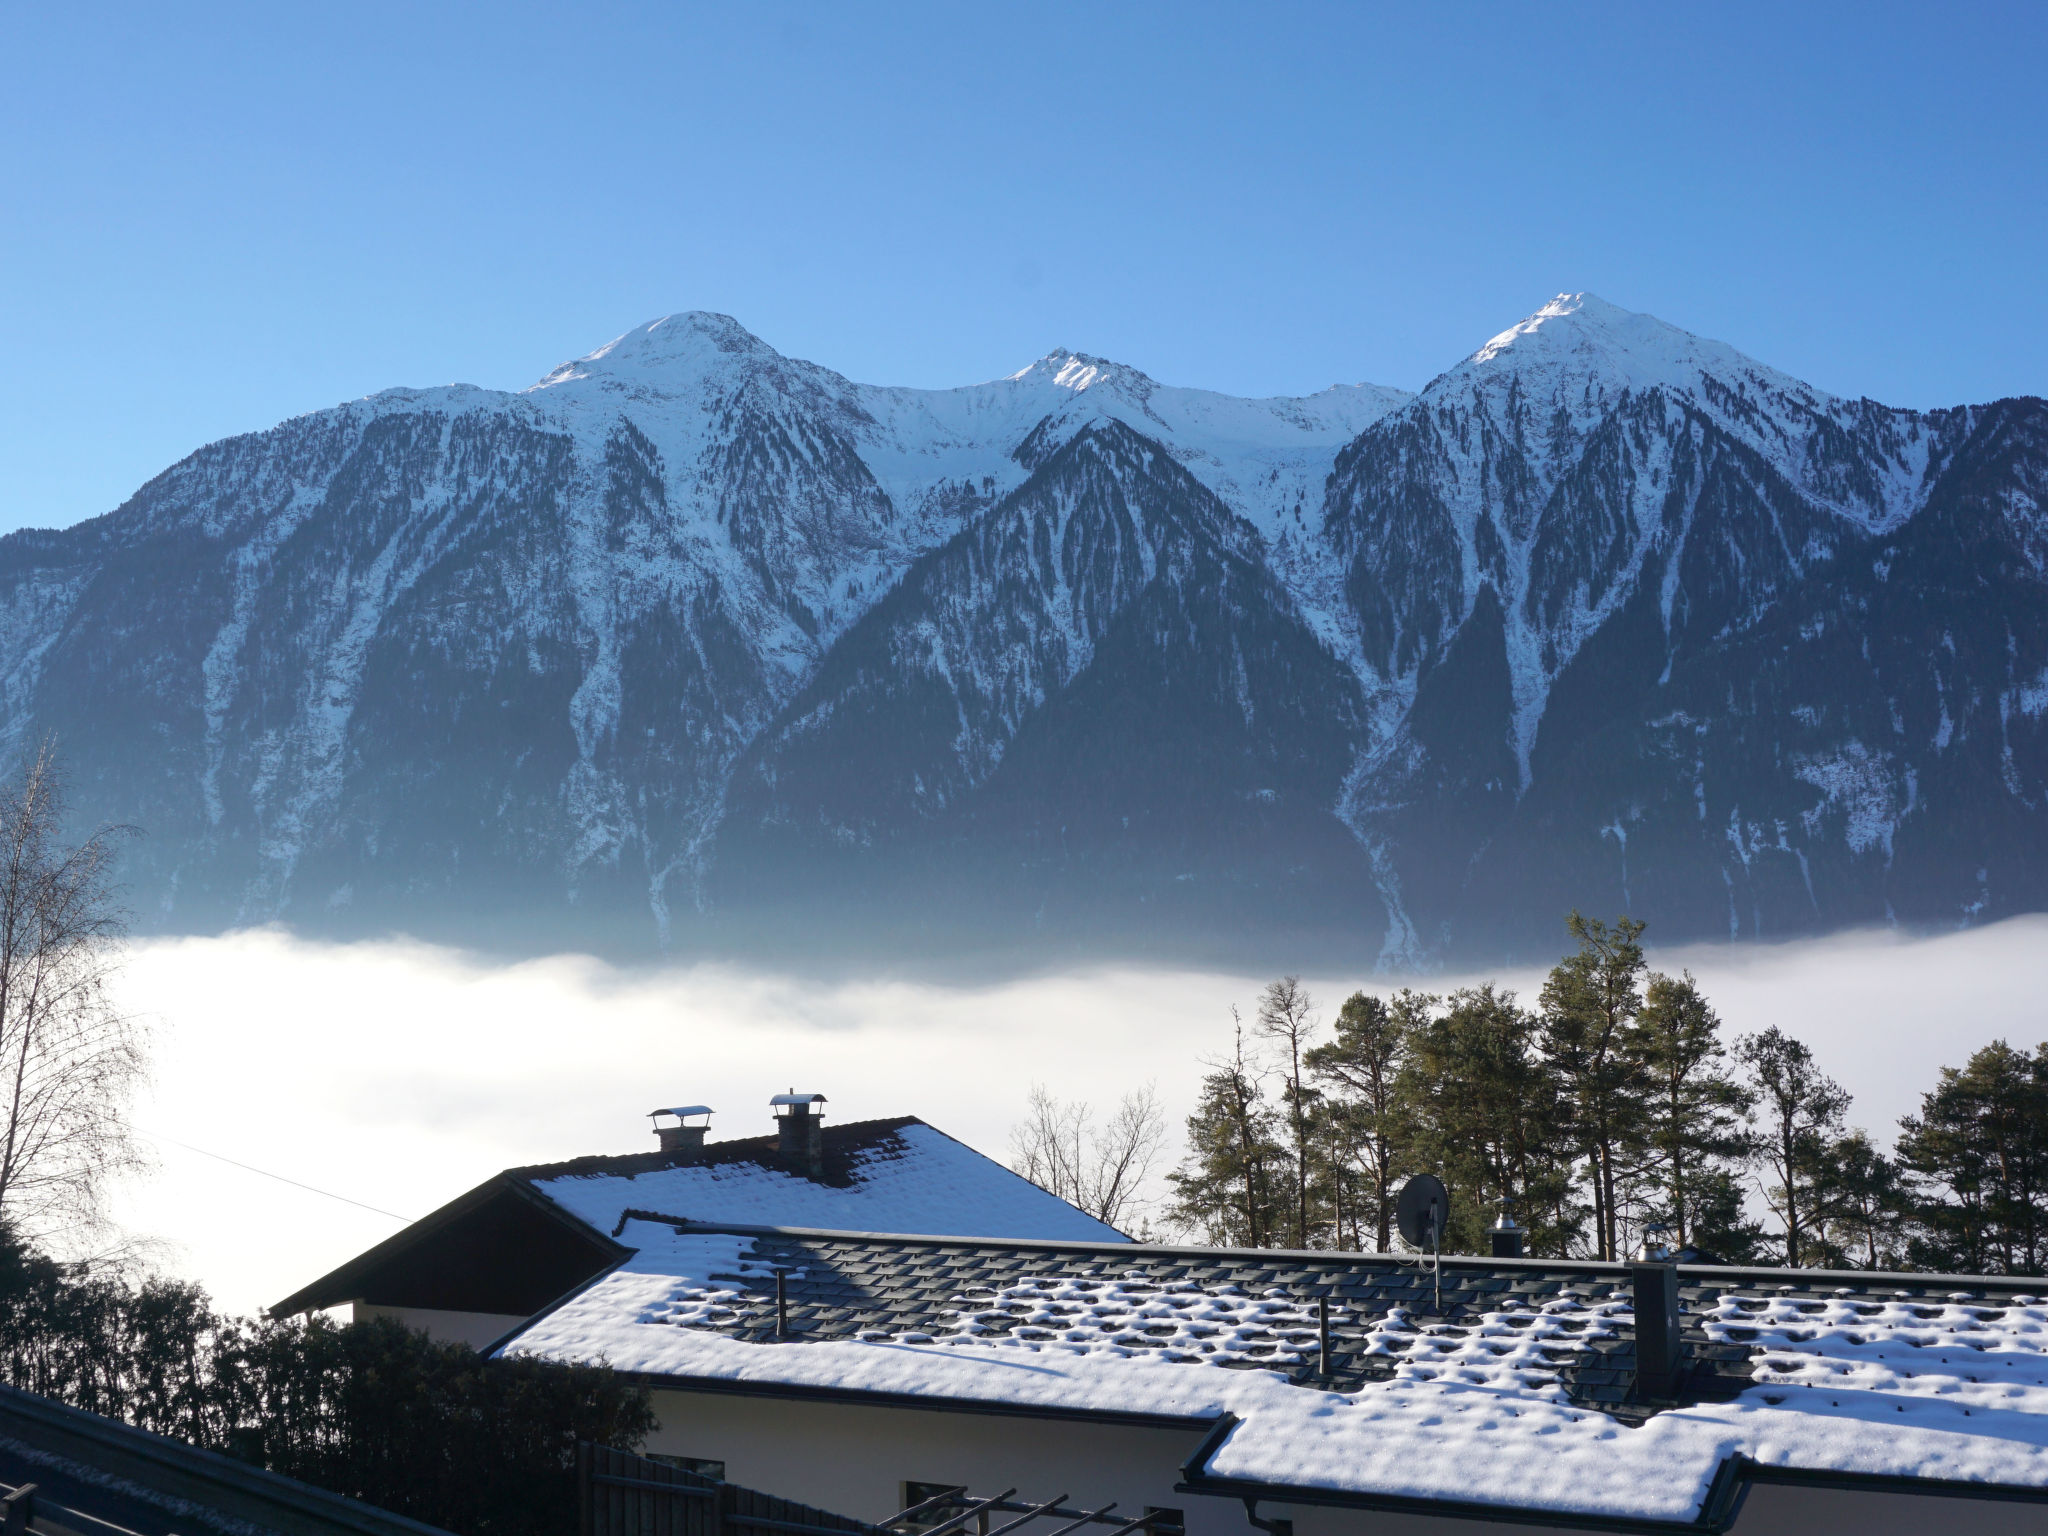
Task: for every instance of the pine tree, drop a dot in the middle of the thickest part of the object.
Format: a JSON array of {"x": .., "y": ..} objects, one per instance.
[
  {"x": 1287, "y": 1020},
  {"x": 1861, "y": 1202},
  {"x": 1593, "y": 1041},
  {"x": 1359, "y": 1069},
  {"x": 1228, "y": 1187},
  {"x": 1800, "y": 1111},
  {"x": 1340, "y": 1191},
  {"x": 1478, "y": 1106},
  {"x": 1693, "y": 1111},
  {"x": 1978, "y": 1151},
  {"x": 1722, "y": 1227}
]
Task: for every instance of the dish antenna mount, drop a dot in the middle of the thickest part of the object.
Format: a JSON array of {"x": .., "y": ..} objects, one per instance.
[{"x": 1422, "y": 1211}]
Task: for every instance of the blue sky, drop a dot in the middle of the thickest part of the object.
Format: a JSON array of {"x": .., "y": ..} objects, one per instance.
[{"x": 215, "y": 217}]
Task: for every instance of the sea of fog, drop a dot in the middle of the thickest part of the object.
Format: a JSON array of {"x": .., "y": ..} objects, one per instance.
[{"x": 293, "y": 1078}]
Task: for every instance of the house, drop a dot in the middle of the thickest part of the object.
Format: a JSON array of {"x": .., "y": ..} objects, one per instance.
[
  {"x": 484, "y": 1263},
  {"x": 1344, "y": 1393},
  {"x": 65, "y": 1472}
]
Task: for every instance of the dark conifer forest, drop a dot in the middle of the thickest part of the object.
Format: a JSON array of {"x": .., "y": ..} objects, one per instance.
[{"x": 1613, "y": 1107}]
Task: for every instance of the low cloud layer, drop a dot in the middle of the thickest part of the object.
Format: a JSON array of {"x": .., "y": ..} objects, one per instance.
[{"x": 399, "y": 1075}]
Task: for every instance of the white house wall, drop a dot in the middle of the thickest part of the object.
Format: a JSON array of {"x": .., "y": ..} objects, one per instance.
[
  {"x": 476, "y": 1329},
  {"x": 1774, "y": 1509},
  {"x": 854, "y": 1460}
]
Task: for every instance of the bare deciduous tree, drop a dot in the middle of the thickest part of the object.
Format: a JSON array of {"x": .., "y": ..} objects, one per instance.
[
  {"x": 1102, "y": 1169},
  {"x": 69, "y": 1058}
]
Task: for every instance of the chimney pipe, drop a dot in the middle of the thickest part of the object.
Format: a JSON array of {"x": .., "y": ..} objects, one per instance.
[
  {"x": 682, "y": 1141},
  {"x": 800, "y": 1131},
  {"x": 1506, "y": 1236},
  {"x": 1655, "y": 1288}
]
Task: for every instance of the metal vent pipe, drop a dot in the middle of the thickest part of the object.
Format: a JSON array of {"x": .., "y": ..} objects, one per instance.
[{"x": 1655, "y": 1289}]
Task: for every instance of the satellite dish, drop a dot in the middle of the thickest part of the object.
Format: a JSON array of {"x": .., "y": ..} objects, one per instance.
[{"x": 1422, "y": 1212}]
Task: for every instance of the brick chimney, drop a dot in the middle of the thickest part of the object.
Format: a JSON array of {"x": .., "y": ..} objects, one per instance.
[
  {"x": 682, "y": 1141},
  {"x": 800, "y": 1131}
]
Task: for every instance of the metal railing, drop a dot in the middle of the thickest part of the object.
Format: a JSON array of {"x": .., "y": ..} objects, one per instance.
[{"x": 931, "y": 1518}]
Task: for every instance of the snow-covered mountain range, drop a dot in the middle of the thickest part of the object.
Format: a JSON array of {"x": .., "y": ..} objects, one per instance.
[{"x": 695, "y": 645}]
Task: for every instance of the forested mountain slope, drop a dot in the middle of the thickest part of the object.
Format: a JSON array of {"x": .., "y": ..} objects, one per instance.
[{"x": 698, "y": 646}]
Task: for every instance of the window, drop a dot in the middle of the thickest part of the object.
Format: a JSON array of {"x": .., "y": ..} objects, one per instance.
[
  {"x": 1166, "y": 1522},
  {"x": 697, "y": 1464}
]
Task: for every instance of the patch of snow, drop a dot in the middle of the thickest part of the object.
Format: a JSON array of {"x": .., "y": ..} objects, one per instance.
[
  {"x": 2032, "y": 698},
  {"x": 1857, "y": 784}
]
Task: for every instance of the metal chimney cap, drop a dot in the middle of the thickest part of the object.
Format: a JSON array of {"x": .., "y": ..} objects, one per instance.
[
  {"x": 681, "y": 1111},
  {"x": 797, "y": 1098}
]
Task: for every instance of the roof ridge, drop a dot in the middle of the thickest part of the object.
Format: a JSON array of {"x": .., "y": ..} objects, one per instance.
[{"x": 594, "y": 1161}]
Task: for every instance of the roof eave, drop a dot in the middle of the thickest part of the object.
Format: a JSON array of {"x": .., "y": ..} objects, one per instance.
[
  {"x": 864, "y": 1398},
  {"x": 336, "y": 1286}
]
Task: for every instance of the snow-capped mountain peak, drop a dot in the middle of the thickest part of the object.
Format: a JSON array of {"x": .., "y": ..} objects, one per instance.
[
  {"x": 681, "y": 344},
  {"x": 1080, "y": 371},
  {"x": 1580, "y": 335},
  {"x": 1611, "y": 617}
]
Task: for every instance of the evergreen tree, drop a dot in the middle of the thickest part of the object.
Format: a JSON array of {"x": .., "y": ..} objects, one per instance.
[
  {"x": 1861, "y": 1202},
  {"x": 1287, "y": 1020},
  {"x": 1799, "y": 1109},
  {"x": 1359, "y": 1069},
  {"x": 1722, "y": 1229},
  {"x": 1978, "y": 1151},
  {"x": 1478, "y": 1105},
  {"x": 1340, "y": 1192},
  {"x": 1594, "y": 1043},
  {"x": 1694, "y": 1111},
  {"x": 1228, "y": 1186}
]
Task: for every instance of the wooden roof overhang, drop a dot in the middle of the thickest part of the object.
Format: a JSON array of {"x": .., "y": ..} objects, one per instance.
[{"x": 502, "y": 1247}]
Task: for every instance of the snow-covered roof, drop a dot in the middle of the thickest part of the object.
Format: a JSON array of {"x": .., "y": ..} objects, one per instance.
[
  {"x": 1515, "y": 1396},
  {"x": 525, "y": 1236},
  {"x": 896, "y": 1175}
]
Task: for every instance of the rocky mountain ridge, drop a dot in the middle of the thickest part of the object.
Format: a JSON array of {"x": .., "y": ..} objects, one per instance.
[{"x": 695, "y": 645}]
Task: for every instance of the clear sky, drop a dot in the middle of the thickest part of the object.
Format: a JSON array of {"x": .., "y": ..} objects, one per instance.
[{"x": 214, "y": 217}]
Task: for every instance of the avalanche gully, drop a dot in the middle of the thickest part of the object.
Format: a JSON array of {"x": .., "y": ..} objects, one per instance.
[{"x": 693, "y": 646}]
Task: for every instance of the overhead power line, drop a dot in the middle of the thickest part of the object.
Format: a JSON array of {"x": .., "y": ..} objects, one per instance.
[{"x": 266, "y": 1173}]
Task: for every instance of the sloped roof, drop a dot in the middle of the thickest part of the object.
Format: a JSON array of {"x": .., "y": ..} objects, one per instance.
[
  {"x": 95, "y": 1473},
  {"x": 1516, "y": 1398},
  {"x": 543, "y": 1229}
]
